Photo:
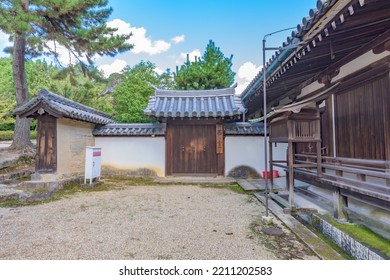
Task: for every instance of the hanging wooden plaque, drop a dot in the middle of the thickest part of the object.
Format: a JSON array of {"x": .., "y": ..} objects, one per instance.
[{"x": 219, "y": 140}]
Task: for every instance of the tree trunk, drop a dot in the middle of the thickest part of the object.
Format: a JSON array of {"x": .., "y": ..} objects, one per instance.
[{"x": 22, "y": 127}]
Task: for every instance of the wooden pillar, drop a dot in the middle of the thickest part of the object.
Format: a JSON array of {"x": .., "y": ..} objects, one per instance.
[
  {"x": 271, "y": 168},
  {"x": 339, "y": 173},
  {"x": 340, "y": 203},
  {"x": 319, "y": 159},
  {"x": 291, "y": 174},
  {"x": 220, "y": 142}
]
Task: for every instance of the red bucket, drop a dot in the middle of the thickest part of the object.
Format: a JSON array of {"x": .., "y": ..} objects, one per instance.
[{"x": 267, "y": 175}]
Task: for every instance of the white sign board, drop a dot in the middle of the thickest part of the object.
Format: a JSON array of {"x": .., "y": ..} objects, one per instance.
[{"x": 93, "y": 157}]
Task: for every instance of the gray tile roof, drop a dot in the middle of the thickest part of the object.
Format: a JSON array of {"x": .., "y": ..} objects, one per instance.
[
  {"x": 132, "y": 129},
  {"x": 61, "y": 107},
  {"x": 194, "y": 103},
  {"x": 244, "y": 128},
  {"x": 308, "y": 22}
]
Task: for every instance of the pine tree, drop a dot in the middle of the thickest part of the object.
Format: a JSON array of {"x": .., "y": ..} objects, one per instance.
[
  {"x": 37, "y": 27},
  {"x": 131, "y": 96},
  {"x": 212, "y": 71}
]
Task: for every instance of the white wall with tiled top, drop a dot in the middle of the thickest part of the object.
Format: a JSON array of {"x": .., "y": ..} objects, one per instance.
[
  {"x": 131, "y": 154},
  {"x": 72, "y": 139},
  {"x": 249, "y": 151}
]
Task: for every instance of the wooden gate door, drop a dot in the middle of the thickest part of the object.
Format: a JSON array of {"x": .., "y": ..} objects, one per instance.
[
  {"x": 193, "y": 149},
  {"x": 46, "y": 160}
]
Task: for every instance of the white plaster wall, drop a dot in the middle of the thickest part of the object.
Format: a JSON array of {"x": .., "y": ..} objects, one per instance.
[
  {"x": 359, "y": 63},
  {"x": 72, "y": 139},
  {"x": 249, "y": 151},
  {"x": 347, "y": 69},
  {"x": 132, "y": 153}
]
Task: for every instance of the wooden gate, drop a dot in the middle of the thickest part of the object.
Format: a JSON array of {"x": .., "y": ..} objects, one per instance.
[
  {"x": 46, "y": 160},
  {"x": 193, "y": 149}
]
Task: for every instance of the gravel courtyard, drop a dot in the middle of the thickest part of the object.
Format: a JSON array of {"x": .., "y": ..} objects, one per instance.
[{"x": 145, "y": 222}]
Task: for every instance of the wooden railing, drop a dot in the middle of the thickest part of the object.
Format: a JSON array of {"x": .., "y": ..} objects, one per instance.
[
  {"x": 295, "y": 130},
  {"x": 369, "y": 177},
  {"x": 307, "y": 129}
]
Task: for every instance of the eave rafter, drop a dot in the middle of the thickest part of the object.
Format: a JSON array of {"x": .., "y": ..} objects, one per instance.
[{"x": 351, "y": 28}]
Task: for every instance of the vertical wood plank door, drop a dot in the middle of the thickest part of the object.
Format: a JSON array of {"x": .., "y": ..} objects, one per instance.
[
  {"x": 194, "y": 149},
  {"x": 47, "y": 145}
]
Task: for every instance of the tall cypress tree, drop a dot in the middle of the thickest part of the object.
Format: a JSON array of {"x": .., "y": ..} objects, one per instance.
[
  {"x": 38, "y": 26},
  {"x": 212, "y": 71}
]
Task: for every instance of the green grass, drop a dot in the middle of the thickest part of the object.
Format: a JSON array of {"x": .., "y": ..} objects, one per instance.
[
  {"x": 134, "y": 181},
  {"x": 139, "y": 181},
  {"x": 231, "y": 186}
]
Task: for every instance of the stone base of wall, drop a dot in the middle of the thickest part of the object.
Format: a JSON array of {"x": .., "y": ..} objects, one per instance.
[
  {"x": 347, "y": 243},
  {"x": 139, "y": 172}
]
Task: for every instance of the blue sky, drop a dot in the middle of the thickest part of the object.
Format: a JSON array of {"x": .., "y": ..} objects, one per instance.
[{"x": 166, "y": 30}]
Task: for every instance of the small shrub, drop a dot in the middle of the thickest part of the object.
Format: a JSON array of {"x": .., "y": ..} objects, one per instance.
[
  {"x": 7, "y": 124},
  {"x": 33, "y": 134},
  {"x": 8, "y": 135}
]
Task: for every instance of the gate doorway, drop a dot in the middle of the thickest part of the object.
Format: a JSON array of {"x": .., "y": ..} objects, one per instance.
[{"x": 191, "y": 149}]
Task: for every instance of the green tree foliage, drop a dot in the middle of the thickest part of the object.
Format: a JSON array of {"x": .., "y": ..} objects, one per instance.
[
  {"x": 7, "y": 88},
  {"x": 212, "y": 71},
  {"x": 41, "y": 75},
  {"x": 37, "y": 27},
  {"x": 132, "y": 94},
  {"x": 80, "y": 88}
]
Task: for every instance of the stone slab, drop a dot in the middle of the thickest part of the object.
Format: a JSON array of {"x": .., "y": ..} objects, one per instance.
[{"x": 319, "y": 247}]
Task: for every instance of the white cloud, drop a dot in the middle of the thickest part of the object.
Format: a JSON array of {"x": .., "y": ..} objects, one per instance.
[
  {"x": 245, "y": 75},
  {"x": 183, "y": 56},
  {"x": 64, "y": 56},
  {"x": 248, "y": 71},
  {"x": 142, "y": 42},
  {"x": 178, "y": 39},
  {"x": 4, "y": 41},
  {"x": 115, "y": 67},
  {"x": 159, "y": 71},
  {"x": 3, "y": 36}
]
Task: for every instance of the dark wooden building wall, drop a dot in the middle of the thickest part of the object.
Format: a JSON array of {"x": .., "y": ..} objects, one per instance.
[{"x": 362, "y": 113}]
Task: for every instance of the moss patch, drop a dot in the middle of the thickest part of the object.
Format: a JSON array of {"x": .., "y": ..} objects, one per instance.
[
  {"x": 113, "y": 183},
  {"x": 232, "y": 186},
  {"x": 67, "y": 191},
  {"x": 327, "y": 240},
  {"x": 364, "y": 235}
]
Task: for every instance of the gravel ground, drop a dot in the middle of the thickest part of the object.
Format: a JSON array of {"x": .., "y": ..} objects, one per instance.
[{"x": 145, "y": 222}]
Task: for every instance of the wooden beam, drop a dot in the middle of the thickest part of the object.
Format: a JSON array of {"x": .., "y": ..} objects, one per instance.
[
  {"x": 382, "y": 38},
  {"x": 340, "y": 203}
]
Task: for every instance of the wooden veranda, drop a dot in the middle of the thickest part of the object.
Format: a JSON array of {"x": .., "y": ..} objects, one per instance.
[
  {"x": 366, "y": 180},
  {"x": 296, "y": 128}
]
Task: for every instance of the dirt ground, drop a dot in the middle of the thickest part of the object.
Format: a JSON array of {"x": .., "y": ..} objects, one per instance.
[{"x": 146, "y": 222}]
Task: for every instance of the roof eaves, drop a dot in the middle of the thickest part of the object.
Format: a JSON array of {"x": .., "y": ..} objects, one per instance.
[{"x": 309, "y": 25}]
